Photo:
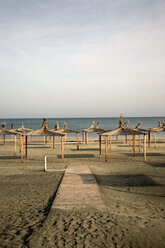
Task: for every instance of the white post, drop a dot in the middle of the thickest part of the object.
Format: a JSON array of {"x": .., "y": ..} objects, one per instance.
[{"x": 45, "y": 158}]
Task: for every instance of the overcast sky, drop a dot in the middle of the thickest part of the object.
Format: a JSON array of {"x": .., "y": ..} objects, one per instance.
[{"x": 82, "y": 58}]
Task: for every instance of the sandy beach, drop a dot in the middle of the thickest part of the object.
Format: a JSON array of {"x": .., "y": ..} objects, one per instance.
[{"x": 133, "y": 191}]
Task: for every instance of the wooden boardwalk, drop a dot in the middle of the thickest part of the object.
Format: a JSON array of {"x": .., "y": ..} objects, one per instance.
[{"x": 78, "y": 189}]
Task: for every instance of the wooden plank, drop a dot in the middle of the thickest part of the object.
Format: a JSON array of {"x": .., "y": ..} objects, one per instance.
[{"x": 78, "y": 190}]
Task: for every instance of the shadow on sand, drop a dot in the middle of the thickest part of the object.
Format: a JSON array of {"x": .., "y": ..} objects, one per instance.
[
  {"x": 128, "y": 180},
  {"x": 140, "y": 154},
  {"x": 157, "y": 164},
  {"x": 10, "y": 157},
  {"x": 86, "y": 149},
  {"x": 39, "y": 147},
  {"x": 77, "y": 156}
]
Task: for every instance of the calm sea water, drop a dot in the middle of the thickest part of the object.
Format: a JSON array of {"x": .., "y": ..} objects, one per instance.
[{"x": 81, "y": 123}]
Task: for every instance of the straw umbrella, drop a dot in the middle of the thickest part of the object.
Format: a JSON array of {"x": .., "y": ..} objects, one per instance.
[
  {"x": 66, "y": 130},
  {"x": 13, "y": 131},
  {"x": 122, "y": 130},
  {"x": 4, "y": 132},
  {"x": 91, "y": 129},
  {"x": 137, "y": 128},
  {"x": 44, "y": 131},
  {"x": 158, "y": 129},
  {"x": 23, "y": 130}
]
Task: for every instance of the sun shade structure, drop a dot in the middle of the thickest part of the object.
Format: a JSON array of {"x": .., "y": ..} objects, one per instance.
[
  {"x": 44, "y": 131},
  {"x": 4, "y": 131},
  {"x": 157, "y": 129},
  {"x": 122, "y": 130},
  {"x": 137, "y": 128},
  {"x": 12, "y": 131},
  {"x": 120, "y": 123},
  {"x": 66, "y": 130},
  {"x": 91, "y": 129},
  {"x": 22, "y": 129}
]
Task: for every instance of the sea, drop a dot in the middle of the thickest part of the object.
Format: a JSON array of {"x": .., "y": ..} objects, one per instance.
[{"x": 78, "y": 124}]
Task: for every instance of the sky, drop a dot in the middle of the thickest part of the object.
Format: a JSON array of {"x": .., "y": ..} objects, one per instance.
[{"x": 82, "y": 58}]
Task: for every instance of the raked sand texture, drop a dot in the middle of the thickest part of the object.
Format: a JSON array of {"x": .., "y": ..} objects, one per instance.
[{"x": 78, "y": 189}]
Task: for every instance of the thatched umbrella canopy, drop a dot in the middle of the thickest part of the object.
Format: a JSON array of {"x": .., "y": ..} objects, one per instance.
[
  {"x": 56, "y": 127},
  {"x": 157, "y": 129},
  {"x": 122, "y": 130},
  {"x": 91, "y": 129},
  {"x": 12, "y": 130},
  {"x": 45, "y": 131},
  {"x": 4, "y": 132},
  {"x": 22, "y": 129},
  {"x": 120, "y": 123},
  {"x": 138, "y": 128},
  {"x": 66, "y": 130}
]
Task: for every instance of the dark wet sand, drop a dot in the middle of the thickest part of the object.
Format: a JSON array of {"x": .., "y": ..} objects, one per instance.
[{"x": 133, "y": 190}]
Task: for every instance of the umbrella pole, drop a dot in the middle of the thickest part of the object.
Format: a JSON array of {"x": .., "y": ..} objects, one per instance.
[
  {"x": 126, "y": 139},
  {"x": 22, "y": 148},
  {"x": 62, "y": 149},
  {"x": 4, "y": 139},
  {"x": 15, "y": 145},
  {"x": 155, "y": 140},
  {"x": 77, "y": 141},
  {"x": 110, "y": 143},
  {"x": 144, "y": 147},
  {"x": 26, "y": 147},
  {"x": 106, "y": 147},
  {"x": 149, "y": 139},
  {"x": 53, "y": 142},
  {"x": 44, "y": 140},
  {"x": 86, "y": 138},
  {"x": 139, "y": 144},
  {"x": 82, "y": 136},
  {"x": 134, "y": 152},
  {"x": 129, "y": 140},
  {"x": 20, "y": 143},
  {"x": 99, "y": 145}
]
